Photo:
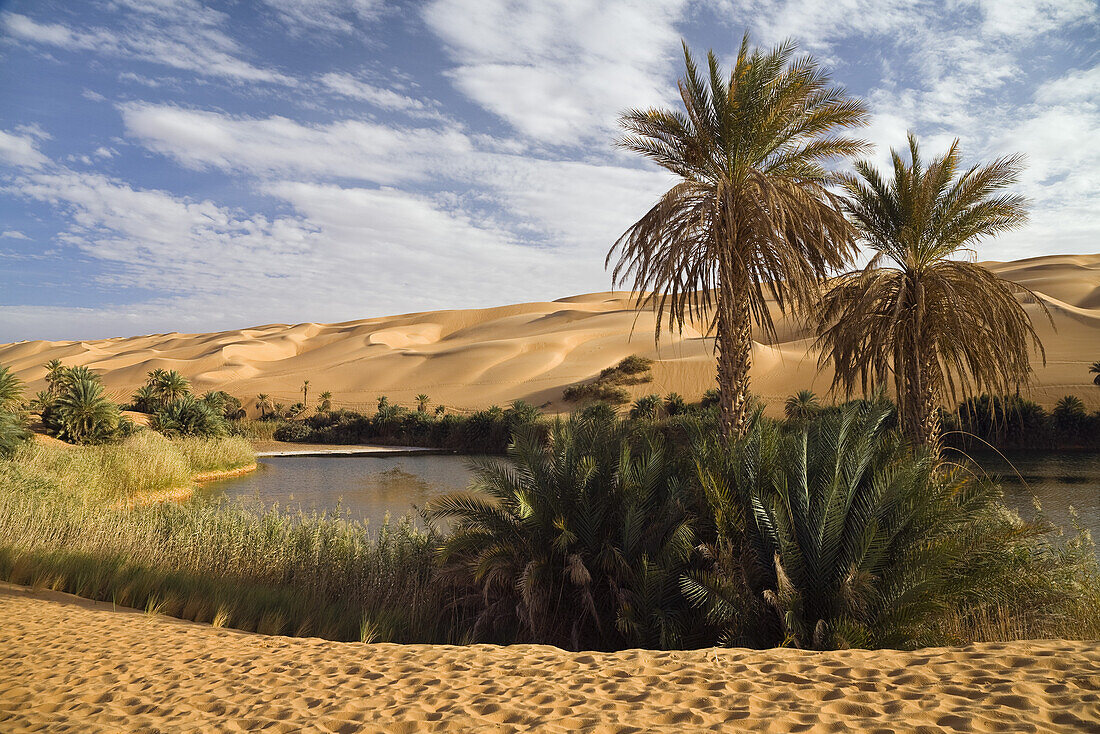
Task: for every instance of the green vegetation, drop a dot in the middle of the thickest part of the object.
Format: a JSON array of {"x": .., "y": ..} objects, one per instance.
[
  {"x": 1013, "y": 422},
  {"x": 484, "y": 432},
  {"x": 752, "y": 214},
  {"x": 577, "y": 541},
  {"x": 219, "y": 563},
  {"x": 144, "y": 463},
  {"x": 13, "y": 431},
  {"x": 607, "y": 386},
  {"x": 75, "y": 408},
  {"x": 939, "y": 327},
  {"x": 175, "y": 411}
]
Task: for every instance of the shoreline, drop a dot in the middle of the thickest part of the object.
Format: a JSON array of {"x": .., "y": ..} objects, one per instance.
[
  {"x": 57, "y": 650},
  {"x": 182, "y": 494}
]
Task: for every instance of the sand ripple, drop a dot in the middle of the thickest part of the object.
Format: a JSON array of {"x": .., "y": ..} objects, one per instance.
[{"x": 71, "y": 666}]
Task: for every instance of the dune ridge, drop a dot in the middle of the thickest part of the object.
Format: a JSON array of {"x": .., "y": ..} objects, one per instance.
[
  {"x": 73, "y": 665},
  {"x": 469, "y": 359}
]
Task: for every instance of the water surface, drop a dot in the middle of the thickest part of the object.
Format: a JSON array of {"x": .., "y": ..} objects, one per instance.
[{"x": 370, "y": 487}]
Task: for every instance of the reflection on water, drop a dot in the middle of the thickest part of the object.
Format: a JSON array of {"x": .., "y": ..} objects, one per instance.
[
  {"x": 369, "y": 487},
  {"x": 1059, "y": 480},
  {"x": 364, "y": 488}
]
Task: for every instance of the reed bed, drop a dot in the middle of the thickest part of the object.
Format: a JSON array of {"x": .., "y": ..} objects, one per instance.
[{"x": 216, "y": 562}]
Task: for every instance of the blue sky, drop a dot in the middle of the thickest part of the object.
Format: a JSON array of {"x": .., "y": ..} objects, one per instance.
[{"x": 172, "y": 165}]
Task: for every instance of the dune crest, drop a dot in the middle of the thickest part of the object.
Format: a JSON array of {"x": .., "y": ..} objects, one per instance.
[{"x": 470, "y": 359}]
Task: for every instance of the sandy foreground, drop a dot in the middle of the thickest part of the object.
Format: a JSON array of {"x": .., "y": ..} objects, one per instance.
[
  {"x": 70, "y": 665},
  {"x": 473, "y": 358}
]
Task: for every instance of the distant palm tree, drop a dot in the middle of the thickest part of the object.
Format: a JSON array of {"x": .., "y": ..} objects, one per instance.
[
  {"x": 1095, "y": 370},
  {"x": 326, "y": 402},
  {"x": 263, "y": 402},
  {"x": 305, "y": 392},
  {"x": 145, "y": 399},
  {"x": 383, "y": 403},
  {"x": 752, "y": 214},
  {"x": 55, "y": 375},
  {"x": 937, "y": 325},
  {"x": 802, "y": 406},
  {"x": 422, "y": 401},
  {"x": 171, "y": 386}
]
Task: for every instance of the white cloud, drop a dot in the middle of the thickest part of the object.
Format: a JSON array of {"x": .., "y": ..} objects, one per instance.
[
  {"x": 14, "y": 234},
  {"x": 340, "y": 16},
  {"x": 276, "y": 146},
  {"x": 348, "y": 85},
  {"x": 558, "y": 71},
  {"x": 180, "y": 35},
  {"x": 21, "y": 151}
]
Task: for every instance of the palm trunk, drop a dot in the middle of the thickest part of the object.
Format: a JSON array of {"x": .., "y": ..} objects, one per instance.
[{"x": 734, "y": 345}]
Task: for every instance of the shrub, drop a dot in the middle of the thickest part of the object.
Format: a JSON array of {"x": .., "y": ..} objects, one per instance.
[
  {"x": 81, "y": 413},
  {"x": 187, "y": 416},
  {"x": 645, "y": 407},
  {"x": 293, "y": 431},
  {"x": 836, "y": 536},
  {"x": 575, "y": 541}
]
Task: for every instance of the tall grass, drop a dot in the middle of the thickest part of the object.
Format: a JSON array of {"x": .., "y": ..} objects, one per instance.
[
  {"x": 207, "y": 560},
  {"x": 144, "y": 463}
]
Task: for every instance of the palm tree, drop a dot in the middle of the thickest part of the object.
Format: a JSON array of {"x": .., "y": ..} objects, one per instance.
[
  {"x": 305, "y": 392},
  {"x": 145, "y": 399},
  {"x": 11, "y": 391},
  {"x": 1094, "y": 369},
  {"x": 55, "y": 375},
  {"x": 263, "y": 402},
  {"x": 12, "y": 434},
  {"x": 172, "y": 386},
  {"x": 938, "y": 325},
  {"x": 846, "y": 537},
  {"x": 752, "y": 215},
  {"x": 576, "y": 541},
  {"x": 83, "y": 414},
  {"x": 422, "y": 401},
  {"x": 801, "y": 407},
  {"x": 326, "y": 402}
]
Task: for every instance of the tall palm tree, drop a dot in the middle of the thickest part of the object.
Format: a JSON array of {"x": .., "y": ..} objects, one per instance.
[
  {"x": 263, "y": 402},
  {"x": 1094, "y": 369},
  {"x": 752, "y": 214},
  {"x": 422, "y": 401},
  {"x": 938, "y": 325},
  {"x": 305, "y": 392}
]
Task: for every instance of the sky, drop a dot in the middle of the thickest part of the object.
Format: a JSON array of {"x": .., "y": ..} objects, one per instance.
[{"x": 174, "y": 165}]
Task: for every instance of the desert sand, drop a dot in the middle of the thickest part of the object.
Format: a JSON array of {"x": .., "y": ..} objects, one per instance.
[
  {"x": 74, "y": 666},
  {"x": 471, "y": 359}
]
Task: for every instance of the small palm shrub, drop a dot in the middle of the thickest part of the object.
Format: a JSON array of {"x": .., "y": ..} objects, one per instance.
[
  {"x": 188, "y": 416},
  {"x": 675, "y": 404},
  {"x": 836, "y": 535},
  {"x": 1070, "y": 417},
  {"x": 645, "y": 407},
  {"x": 801, "y": 406},
  {"x": 577, "y": 540},
  {"x": 13, "y": 432},
  {"x": 11, "y": 391}
]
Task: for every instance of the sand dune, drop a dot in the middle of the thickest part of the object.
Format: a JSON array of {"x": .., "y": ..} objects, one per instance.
[
  {"x": 473, "y": 358},
  {"x": 74, "y": 666}
]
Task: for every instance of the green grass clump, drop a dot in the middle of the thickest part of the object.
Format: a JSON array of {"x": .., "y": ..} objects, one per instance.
[{"x": 144, "y": 463}]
